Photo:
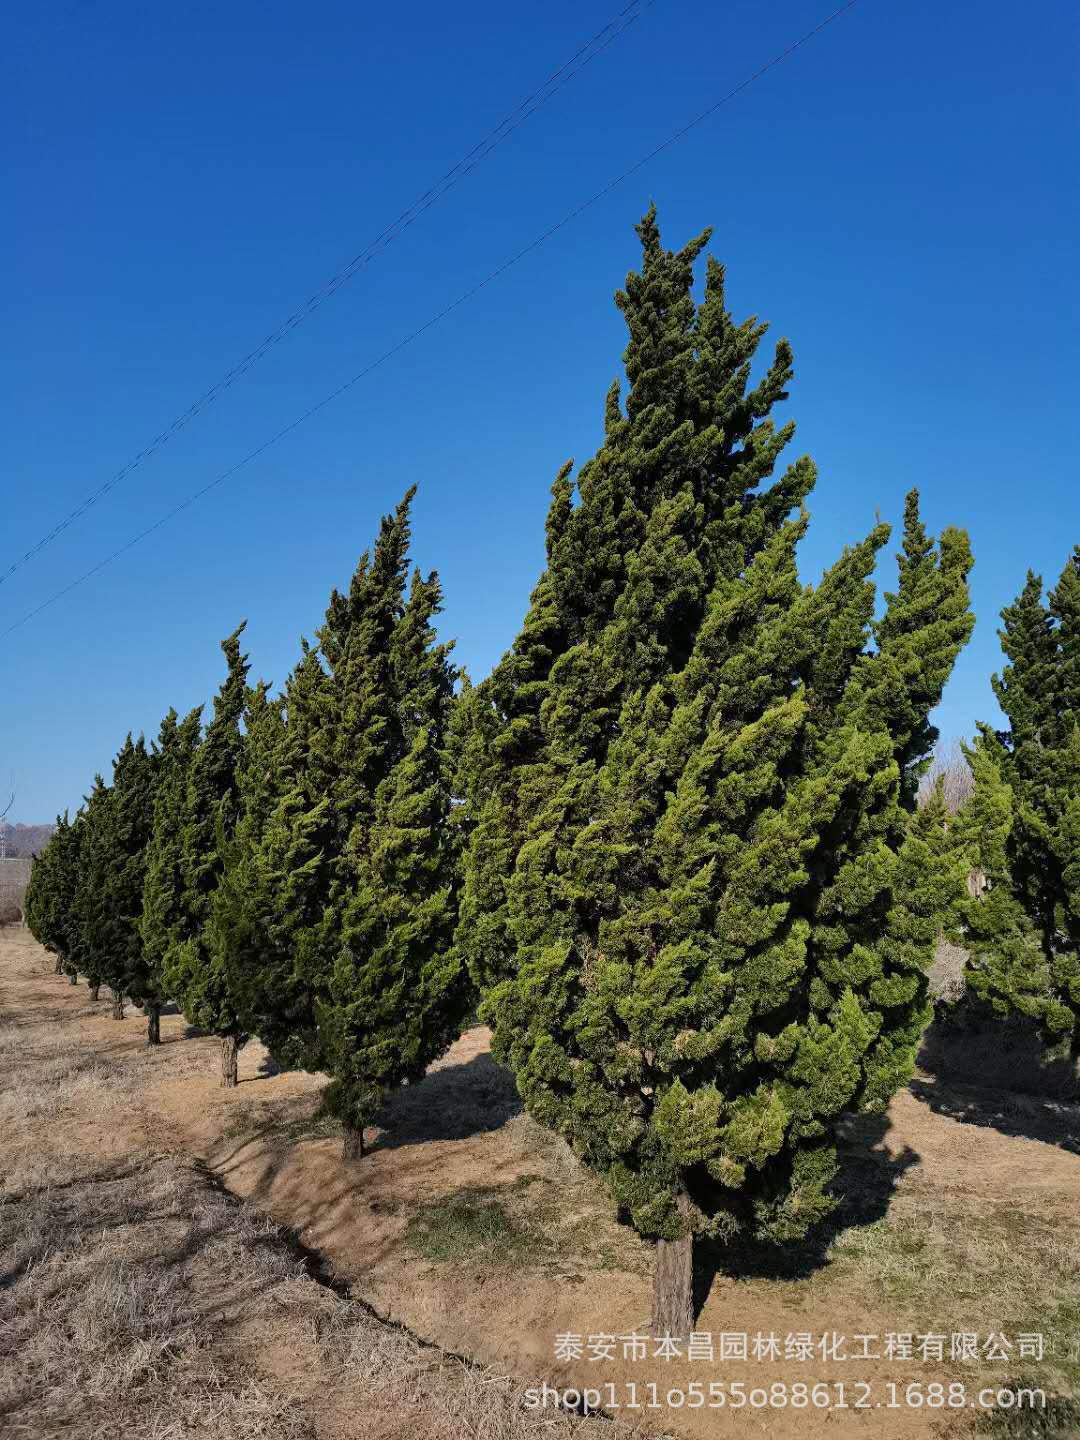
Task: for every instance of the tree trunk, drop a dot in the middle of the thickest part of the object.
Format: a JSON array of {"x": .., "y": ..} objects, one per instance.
[
  {"x": 976, "y": 882},
  {"x": 230, "y": 1049},
  {"x": 673, "y": 1287},
  {"x": 352, "y": 1142},
  {"x": 93, "y": 991},
  {"x": 59, "y": 967},
  {"x": 153, "y": 1024},
  {"x": 117, "y": 1007}
]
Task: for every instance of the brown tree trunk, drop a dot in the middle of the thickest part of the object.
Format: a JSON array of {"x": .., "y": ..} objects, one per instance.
[
  {"x": 153, "y": 1024},
  {"x": 93, "y": 992},
  {"x": 117, "y": 1006},
  {"x": 352, "y": 1142},
  {"x": 59, "y": 967},
  {"x": 673, "y": 1282},
  {"x": 230, "y": 1049}
]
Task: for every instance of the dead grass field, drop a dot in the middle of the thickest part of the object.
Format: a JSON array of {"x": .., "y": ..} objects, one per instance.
[{"x": 138, "y": 1298}]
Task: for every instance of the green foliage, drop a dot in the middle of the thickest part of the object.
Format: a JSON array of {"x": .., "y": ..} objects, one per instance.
[
  {"x": 1020, "y": 830},
  {"x": 694, "y": 891},
  {"x": 394, "y": 1001},
  {"x": 195, "y": 823},
  {"x": 107, "y": 911},
  {"x": 86, "y": 959},
  {"x": 472, "y": 1225},
  {"x": 336, "y": 916},
  {"x": 254, "y": 958},
  {"x": 162, "y": 924},
  {"x": 50, "y": 894}
]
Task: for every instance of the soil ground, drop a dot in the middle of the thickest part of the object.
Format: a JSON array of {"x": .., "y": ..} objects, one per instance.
[{"x": 481, "y": 1234}]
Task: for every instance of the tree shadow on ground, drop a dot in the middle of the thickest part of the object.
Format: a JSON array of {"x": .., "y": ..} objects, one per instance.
[
  {"x": 863, "y": 1189},
  {"x": 268, "y": 1067},
  {"x": 1057, "y": 1418},
  {"x": 452, "y": 1102},
  {"x": 1053, "y": 1122},
  {"x": 967, "y": 1044},
  {"x": 983, "y": 1070}
]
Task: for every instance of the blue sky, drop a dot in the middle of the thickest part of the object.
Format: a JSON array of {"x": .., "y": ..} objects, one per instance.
[{"x": 898, "y": 199}]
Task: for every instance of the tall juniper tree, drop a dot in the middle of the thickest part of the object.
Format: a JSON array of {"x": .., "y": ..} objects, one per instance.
[
  {"x": 342, "y": 903},
  {"x": 394, "y": 999},
  {"x": 692, "y": 889},
  {"x": 1021, "y": 826},
  {"x": 117, "y": 871},
  {"x": 88, "y": 958},
  {"x": 50, "y": 894},
  {"x": 265, "y": 868},
  {"x": 163, "y": 912},
  {"x": 193, "y": 972}
]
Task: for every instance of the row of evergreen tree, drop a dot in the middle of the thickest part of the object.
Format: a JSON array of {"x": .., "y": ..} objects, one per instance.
[
  {"x": 1020, "y": 830},
  {"x": 672, "y": 844},
  {"x": 290, "y": 871}
]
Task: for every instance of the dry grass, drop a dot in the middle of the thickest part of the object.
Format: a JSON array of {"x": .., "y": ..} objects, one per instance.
[
  {"x": 131, "y": 1308},
  {"x": 102, "y": 1320},
  {"x": 137, "y": 1300},
  {"x": 949, "y": 1258},
  {"x": 60, "y": 1076}
]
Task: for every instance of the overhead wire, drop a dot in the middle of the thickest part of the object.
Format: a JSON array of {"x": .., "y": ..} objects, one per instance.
[
  {"x": 440, "y": 315},
  {"x": 588, "y": 51}
]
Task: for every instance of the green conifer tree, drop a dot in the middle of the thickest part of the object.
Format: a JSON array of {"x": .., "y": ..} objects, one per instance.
[
  {"x": 192, "y": 970},
  {"x": 1020, "y": 829},
  {"x": 261, "y": 869},
  {"x": 116, "y": 874},
  {"x": 50, "y": 894},
  {"x": 88, "y": 957},
  {"x": 693, "y": 887},
  {"x": 394, "y": 999},
  {"x": 38, "y": 898},
  {"x": 339, "y": 934},
  {"x": 273, "y": 892},
  {"x": 163, "y": 912}
]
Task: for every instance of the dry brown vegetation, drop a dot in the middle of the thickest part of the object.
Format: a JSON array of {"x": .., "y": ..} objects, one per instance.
[
  {"x": 139, "y": 1298},
  {"x": 950, "y": 769}
]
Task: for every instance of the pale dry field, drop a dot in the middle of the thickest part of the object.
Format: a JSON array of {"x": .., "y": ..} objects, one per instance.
[{"x": 140, "y": 1298}]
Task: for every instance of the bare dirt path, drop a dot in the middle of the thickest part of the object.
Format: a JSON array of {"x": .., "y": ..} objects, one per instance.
[{"x": 481, "y": 1233}]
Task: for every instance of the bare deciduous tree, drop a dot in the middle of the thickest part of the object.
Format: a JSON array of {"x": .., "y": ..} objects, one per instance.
[{"x": 950, "y": 766}]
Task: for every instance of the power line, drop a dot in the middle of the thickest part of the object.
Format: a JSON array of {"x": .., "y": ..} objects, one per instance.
[
  {"x": 467, "y": 295},
  {"x": 584, "y": 55}
]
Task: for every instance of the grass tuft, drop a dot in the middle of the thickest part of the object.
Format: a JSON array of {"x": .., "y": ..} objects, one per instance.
[{"x": 471, "y": 1225}]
